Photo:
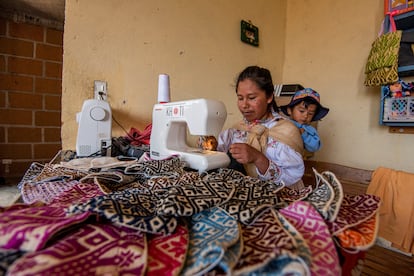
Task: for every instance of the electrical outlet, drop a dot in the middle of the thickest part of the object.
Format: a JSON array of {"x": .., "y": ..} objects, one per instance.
[
  {"x": 6, "y": 163},
  {"x": 100, "y": 90}
]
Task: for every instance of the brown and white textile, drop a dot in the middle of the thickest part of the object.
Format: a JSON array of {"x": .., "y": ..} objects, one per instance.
[{"x": 284, "y": 131}]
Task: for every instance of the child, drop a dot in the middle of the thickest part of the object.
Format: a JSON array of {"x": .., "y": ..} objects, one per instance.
[{"x": 304, "y": 108}]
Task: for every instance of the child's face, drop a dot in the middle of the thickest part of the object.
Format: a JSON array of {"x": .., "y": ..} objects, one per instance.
[{"x": 302, "y": 114}]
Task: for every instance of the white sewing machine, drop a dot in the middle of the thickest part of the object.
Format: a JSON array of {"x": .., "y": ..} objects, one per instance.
[
  {"x": 169, "y": 132},
  {"x": 95, "y": 128}
]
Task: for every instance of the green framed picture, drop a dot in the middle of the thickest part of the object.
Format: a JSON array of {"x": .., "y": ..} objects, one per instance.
[{"x": 249, "y": 33}]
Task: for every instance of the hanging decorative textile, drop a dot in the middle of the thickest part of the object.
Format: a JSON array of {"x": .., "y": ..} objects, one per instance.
[{"x": 382, "y": 64}]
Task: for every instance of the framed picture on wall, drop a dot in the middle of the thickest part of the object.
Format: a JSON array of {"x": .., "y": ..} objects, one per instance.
[{"x": 249, "y": 33}]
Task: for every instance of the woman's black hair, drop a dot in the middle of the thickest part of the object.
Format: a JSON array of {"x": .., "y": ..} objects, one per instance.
[{"x": 262, "y": 78}]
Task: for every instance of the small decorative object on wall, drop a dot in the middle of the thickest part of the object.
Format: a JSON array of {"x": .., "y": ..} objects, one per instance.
[
  {"x": 398, "y": 6},
  {"x": 249, "y": 33}
]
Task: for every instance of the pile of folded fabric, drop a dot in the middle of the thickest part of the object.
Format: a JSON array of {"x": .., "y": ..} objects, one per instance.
[{"x": 147, "y": 217}]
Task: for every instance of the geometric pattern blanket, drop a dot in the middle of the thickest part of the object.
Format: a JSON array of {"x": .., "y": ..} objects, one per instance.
[
  {"x": 314, "y": 230},
  {"x": 92, "y": 249},
  {"x": 166, "y": 220}
]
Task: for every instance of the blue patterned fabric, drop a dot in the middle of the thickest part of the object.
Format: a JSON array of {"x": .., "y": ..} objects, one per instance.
[{"x": 212, "y": 232}]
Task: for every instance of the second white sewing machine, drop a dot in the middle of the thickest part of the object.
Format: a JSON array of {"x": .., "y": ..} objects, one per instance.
[{"x": 203, "y": 117}]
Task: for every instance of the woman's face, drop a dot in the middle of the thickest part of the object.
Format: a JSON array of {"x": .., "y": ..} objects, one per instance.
[{"x": 252, "y": 101}]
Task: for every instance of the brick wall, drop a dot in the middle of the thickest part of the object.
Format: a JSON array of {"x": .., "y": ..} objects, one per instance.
[{"x": 30, "y": 96}]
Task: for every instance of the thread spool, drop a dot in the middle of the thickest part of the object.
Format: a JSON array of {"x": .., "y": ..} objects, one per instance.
[{"x": 163, "y": 88}]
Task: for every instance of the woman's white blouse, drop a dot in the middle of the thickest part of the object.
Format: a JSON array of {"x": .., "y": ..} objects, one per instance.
[{"x": 286, "y": 164}]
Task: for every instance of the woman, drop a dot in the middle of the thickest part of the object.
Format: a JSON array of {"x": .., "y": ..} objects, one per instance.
[{"x": 267, "y": 145}]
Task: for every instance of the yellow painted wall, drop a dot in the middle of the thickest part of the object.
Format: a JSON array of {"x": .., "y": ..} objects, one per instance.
[
  {"x": 321, "y": 44},
  {"x": 327, "y": 45},
  {"x": 129, "y": 43}
]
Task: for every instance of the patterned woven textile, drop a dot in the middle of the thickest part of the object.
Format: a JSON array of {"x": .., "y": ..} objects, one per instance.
[
  {"x": 316, "y": 233},
  {"x": 156, "y": 218},
  {"x": 211, "y": 233},
  {"x": 288, "y": 195},
  {"x": 167, "y": 253},
  {"x": 29, "y": 229},
  {"x": 354, "y": 210},
  {"x": 338, "y": 193},
  {"x": 269, "y": 248},
  {"x": 190, "y": 199},
  {"x": 111, "y": 181},
  {"x": 382, "y": 64},
  {"x": 77, "y": 194},
  {"x": 301, "y": 257},
  {"x": 161, "y": 182},
  {"x": 45, "y": 191},
  {"x": 51, "y": 173},
  {"x": 251, "y": 197},
  {"x": 8, "y": 257},
  {"x": 34, "y": 170},
  {"x": 230, "y": 258},
  {"x": 360, "y": 237},
  {"x": 93, "y": 249},
  {"x": 168, "y": 167},
  {"x": 322, "y": 198},
  {"x": 328, "y": 196},
  {"x": 132, "y": 208}
]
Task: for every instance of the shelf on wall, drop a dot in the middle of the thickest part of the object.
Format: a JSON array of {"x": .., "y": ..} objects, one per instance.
[
  {"x": 404, "y": 21},
  {"x": 406, "y": 71},
  {"x": 396, "y": 112},
  {"x": 401, "y": 130},
  {"x": 399, "y": 121}
]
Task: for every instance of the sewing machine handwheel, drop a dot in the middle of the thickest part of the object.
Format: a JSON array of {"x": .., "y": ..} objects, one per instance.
[{"x": 97, "y": 113}]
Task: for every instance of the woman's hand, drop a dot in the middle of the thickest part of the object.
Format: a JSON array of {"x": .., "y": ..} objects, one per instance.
[{"x": 244, "y": 153}]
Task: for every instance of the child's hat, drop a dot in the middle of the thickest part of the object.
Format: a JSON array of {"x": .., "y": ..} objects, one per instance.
[{"x": 311, "y": 94}]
